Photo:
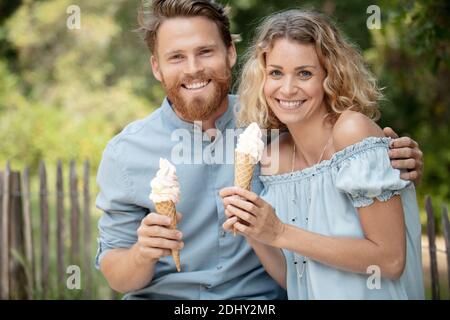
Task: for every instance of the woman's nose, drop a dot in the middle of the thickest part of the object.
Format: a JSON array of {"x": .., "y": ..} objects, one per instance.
[{"x": 288, "y": 87}]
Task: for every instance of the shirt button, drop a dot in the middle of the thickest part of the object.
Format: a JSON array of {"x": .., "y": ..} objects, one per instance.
[
  {"x": 219, "y": 267},
  {"x": 223, "y": 234},
  {"x": 207, "y": 286}
]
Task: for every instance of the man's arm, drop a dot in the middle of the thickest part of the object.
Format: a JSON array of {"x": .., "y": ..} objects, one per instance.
[
  {"x": 130, "y": 240},
  {"x": 405, "y": 154},
  {"x": 132, "y": 269}
]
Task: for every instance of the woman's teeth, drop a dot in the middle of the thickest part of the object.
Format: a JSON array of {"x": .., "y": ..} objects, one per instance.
[
  {"x": 290, "y": 104},
  {"x": 196, "y": 85}
]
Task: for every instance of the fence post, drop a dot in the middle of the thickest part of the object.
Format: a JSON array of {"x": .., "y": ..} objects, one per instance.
[
  {"x": 60, "y": 229},
  {"x": 87, "y": 231},
  {"x": 74, "y": 216},
  {"x": 44, "y": 230},
  {"x": 446, "y": 229},
  {"x": 28, "y": 233},
  {"x": 4, "y": 236},
  {"x": 17, "y": 275},
  {"x": 431, "y": 230}
]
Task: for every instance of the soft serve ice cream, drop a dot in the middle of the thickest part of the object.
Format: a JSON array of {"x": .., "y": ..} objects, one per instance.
[
  {"x": 165, "y": 186},
  {"x": 250, "y": 142}
]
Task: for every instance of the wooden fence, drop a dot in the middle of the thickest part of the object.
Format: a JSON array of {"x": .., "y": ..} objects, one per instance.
[
  {"x": 433, "y": 250},
  {"x": 21, "y": 279},
  {"x": 20, "y": 276}
]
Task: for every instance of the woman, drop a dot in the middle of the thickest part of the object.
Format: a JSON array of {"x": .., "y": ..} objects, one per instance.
[{"x": 346, "y": 223}]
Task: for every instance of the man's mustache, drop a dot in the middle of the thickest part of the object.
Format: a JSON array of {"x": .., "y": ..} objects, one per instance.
[{"x": 202, "y": 76}]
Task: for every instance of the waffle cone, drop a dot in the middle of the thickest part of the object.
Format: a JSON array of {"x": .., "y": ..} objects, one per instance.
[
  {"x": 167, "y": 208},
  {"x": 243, "y": 170},
  {"x": 244, "y": 165}
]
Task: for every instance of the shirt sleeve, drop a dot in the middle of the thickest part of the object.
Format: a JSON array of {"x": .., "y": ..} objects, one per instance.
[
  {"x": 121, "y": 217},
  {"x": 368, "y": 174}
]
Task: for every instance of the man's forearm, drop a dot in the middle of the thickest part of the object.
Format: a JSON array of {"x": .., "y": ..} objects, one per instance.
[{"x": 124, "y": 271}]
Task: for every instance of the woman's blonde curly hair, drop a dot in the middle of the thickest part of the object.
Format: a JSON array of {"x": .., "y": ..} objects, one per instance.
[{"x": 348, "y": 83}]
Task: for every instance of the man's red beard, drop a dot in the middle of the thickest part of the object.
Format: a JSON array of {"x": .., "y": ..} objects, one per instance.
[{"x": 199, "y": 107}]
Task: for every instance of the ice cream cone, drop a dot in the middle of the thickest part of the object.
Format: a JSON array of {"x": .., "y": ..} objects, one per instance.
[
  {"x": 167, "y": 208},
  {"x": 244, "y": 165},
  {"x": 165, "y": 195},
  {"x": 243, "y": 170}
]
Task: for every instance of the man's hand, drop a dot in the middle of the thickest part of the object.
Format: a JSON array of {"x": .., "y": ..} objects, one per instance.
[
  {"x": 130, "y": 269},
  {"x": 155, "y": 239},
  {"x": 405, "y": 154}
]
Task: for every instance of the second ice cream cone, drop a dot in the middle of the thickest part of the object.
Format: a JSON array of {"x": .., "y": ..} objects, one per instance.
[
  {"x": 247, "y": 154},
  {"x": 167, "y": 208},
  {"x": 243, "y": 170},
  {"x": 244, "y": 165}
]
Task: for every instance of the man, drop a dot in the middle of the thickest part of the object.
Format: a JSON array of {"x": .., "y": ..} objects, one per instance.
[{"x": 192, "y": 56}]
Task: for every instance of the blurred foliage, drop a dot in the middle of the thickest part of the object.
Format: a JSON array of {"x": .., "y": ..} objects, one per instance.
[
  {"x": 411, "y": 56},
  {"x": 64, "y": 93}
]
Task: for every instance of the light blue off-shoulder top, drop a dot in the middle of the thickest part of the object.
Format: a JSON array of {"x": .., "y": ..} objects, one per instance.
[{"x": 324, "y": 199}]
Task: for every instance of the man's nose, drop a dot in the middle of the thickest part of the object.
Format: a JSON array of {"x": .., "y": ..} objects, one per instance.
[{"x": 193, "y": 66}]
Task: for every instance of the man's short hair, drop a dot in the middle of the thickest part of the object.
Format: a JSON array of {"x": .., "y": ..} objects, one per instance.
[{"x": 153, "y": 13}]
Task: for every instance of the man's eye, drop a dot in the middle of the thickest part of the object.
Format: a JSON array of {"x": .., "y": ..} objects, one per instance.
[
  {"x": 205, "y": 52},
  {"x": 176, "y": 57}
]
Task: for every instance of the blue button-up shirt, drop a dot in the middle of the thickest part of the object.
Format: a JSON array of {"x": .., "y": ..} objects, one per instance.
[{"x": 215, "y": 264}]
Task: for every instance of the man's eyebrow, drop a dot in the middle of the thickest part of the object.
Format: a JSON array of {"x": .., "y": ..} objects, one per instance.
[
  {"x": 174, "y": 52},
  {"x": 209, "y": 46},
  {"x": 171, "y": 53},
  {"x": 297, "y": 68}
]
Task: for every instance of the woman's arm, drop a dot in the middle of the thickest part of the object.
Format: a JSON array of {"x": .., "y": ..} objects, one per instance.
[
  {"x": 383, "y": 245},
  {"x": 271, "y": 258}
]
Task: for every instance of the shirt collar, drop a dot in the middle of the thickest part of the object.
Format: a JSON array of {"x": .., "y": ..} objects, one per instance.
[{"x": 171, "y": 117}]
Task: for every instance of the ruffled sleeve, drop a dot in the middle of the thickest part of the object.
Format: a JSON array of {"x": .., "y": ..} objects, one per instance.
[{"x": 365, "y": 172}]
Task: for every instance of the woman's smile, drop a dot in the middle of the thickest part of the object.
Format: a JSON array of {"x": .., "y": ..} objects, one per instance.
[{"x": 290, "y": 104}]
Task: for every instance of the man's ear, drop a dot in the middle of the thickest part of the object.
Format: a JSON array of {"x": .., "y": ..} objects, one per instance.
[
  {"x": 155, "y": 68},
  {"x": 232, "y": 55}
]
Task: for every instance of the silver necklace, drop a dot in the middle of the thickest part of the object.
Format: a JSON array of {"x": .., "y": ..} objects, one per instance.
[
  {"x": 320, "y": 159},
  {"x": 303, "y": 266}
]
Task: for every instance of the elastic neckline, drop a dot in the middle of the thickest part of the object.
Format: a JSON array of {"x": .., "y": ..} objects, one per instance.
[{"x": 338, "y": 157}]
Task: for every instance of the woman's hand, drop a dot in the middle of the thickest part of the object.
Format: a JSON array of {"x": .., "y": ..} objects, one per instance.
[{"x": 257, "y": 218}]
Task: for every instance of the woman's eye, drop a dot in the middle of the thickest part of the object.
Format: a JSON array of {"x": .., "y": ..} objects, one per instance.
[
  {"x": 305, "y": 74},
  {"x": 275, "y": 73}
]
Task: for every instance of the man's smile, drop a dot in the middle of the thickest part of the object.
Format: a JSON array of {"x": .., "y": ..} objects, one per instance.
[{"x": 196, "y": 85}]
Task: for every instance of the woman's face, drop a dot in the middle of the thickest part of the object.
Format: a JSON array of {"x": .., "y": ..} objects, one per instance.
[{"x": 294, "y": 81}]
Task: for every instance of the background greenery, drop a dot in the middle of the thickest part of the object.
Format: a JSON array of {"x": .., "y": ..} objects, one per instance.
[{"x": 64, "y": 93}]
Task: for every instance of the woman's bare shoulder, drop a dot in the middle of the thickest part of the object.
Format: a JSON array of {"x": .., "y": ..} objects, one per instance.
[{"x": 352, "y": 127}]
